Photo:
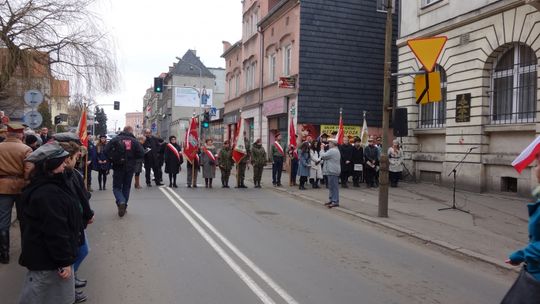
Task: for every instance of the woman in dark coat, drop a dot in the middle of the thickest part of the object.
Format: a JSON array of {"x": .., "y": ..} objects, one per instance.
[
  {"x": 100, "y": 162},
  {"x": 173, "y": 159}
]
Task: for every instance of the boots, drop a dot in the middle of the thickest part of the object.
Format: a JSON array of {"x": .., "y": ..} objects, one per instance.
[
  {"x": 206, "y": 182},
  {"x": 137, "y": 183},
  {"x": 4, "y": 246},
  {"x": 209, "y": 183}
]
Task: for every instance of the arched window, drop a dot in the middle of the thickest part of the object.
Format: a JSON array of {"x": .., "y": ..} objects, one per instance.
[
  {"x": 514, "y": 86},
  {"x": 433, "y": 114}
]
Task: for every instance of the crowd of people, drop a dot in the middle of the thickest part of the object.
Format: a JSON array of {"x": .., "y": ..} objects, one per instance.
[{"x": 48, "y": 178}]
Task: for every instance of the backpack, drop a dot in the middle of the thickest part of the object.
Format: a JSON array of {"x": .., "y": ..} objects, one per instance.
[{"x": 117, "y": 153}]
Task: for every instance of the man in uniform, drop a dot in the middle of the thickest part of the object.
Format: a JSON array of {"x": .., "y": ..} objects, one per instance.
[
  {"x": 14, "y": 175},
  {"x": 225, "y": 163},
  {"x": 242, "y": 165},
  {"x": 278, "y": 155}
]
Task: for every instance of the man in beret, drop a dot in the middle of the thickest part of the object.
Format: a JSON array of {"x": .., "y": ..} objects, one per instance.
[{"x": 14, "y": 175}]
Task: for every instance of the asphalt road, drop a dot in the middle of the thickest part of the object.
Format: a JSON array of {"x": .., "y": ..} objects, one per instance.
[{"x": 257, "y": 246}]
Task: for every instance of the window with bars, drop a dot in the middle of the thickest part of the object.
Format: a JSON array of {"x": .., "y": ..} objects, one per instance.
[
  {"x": 433, "y": 114},
  {"x": 513, "y": 86}
]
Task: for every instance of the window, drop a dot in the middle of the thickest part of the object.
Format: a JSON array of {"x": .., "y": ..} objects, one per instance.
[
  {"x": 248, "y": 78},
  {"x": 513, "y": 98},
  {"x": 433, "y": 114},
  {"x": 383, "y": 4},
  {"x": 229, "y": 87},
  {"x": 426, "y": 3},
  {"x": 236, "y": 85},
  {"x": 287, "y": 60},
  {"x": 58, "y": 106},
  {"x": 272, "y": 68},
  {"x": 253, "y": 73}
]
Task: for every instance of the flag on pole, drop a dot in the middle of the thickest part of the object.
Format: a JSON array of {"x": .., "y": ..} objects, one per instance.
[
  {"x": 239, "y": 150},
  {"x": 364, "y": 134},
  {"x": 340, "y": 133},
  {"x": 191, "y": 141},
  {"x": 82, "y": 128},
  {"x": 292, "y": 138},
  {"x": 527, "y": 156}
]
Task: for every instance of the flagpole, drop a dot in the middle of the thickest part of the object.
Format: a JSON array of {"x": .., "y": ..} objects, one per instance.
[{"x": 87, "y": 151}]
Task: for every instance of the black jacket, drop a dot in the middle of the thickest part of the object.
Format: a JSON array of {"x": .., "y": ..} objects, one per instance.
[
  {"x": 134, "y": 150},
  {"x": 50, "y": 223},
  {"x": 358, "y": 155},
  {"x": 75, "y": 183},
  {"x": 151, "y": 158},
  {"x": 346, "y": 154}
]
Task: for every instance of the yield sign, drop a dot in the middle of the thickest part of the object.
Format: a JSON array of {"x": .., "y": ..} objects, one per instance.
[{"x": 427, "y": 50}]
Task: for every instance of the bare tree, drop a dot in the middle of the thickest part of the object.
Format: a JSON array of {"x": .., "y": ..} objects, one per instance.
[
  {"x": 62, "y": 36},
  {"x": 75, "y": 107}
]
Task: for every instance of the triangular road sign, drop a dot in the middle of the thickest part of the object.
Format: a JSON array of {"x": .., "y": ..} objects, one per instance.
[{"x": 427, "y": 50}]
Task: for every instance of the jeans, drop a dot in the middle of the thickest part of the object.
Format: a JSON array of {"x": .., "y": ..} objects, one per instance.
[
  {"x": 122, "y": 184},
  {"x": 277, "y": 167},
  {"x": 83, "y": 252},
  {"x": 333, "y": 186},
  {"x": 294, "y": 170},
  {"x": 6, "y": 205}
]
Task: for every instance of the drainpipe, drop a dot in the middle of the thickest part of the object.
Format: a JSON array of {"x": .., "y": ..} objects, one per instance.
[{"x": 261, "y": 82}]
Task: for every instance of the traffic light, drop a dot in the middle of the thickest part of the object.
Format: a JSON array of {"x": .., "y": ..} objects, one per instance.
[
  {"x": 158, "y": 84},
  {"x": 57, "y": 120},
  {"x": 206, "y": 120},
  {"x": 117, "y": 105}
]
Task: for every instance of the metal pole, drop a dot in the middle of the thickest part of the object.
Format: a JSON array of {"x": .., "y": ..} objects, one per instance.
[
  {"x": 200, "y": 102},
  {"x": 383, "y": 176}
]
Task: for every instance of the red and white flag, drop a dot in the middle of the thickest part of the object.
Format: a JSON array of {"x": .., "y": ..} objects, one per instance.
[
  {"x": 82, "y": 128},
  {"x": 527, "y": 156},
  {"x": 239, "y": 150},
  {"x": 192, "y": 141},
  {"x": 340, "y": 132}
]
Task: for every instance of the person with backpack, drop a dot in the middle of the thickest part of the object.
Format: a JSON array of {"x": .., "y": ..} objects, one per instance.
[{"x": 124, "y": 150}]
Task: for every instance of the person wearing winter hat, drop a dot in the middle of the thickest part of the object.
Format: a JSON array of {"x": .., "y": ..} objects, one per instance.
[{"x": 50, "y": 230}]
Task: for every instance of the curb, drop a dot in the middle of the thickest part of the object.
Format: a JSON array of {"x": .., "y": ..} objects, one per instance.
[{"x": 439, "y": 243}]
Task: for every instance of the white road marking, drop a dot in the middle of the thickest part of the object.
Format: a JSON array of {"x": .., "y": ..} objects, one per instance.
[
  {"x": 221, "y": 252},
  {"x": 288, "y": 298}
]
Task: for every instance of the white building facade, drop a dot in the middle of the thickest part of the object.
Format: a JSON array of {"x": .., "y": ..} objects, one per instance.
[{"x": 489, "y": 83}]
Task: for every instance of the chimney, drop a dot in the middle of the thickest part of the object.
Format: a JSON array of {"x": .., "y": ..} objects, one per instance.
[{"x": 226, "y": 45}]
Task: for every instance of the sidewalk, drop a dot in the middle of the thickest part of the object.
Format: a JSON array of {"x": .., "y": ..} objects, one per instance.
[{"x": 495, "y": 227}]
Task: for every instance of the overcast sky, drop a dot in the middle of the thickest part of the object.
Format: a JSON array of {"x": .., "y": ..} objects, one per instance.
[{"x": 148, "y": 35}]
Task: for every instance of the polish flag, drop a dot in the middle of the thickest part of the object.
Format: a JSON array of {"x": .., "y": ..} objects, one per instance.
[
  {"x": 239, "y": 150},
  {"x": 340, "y": 132},
  {"x": 527, "y": 156},
  {"x": 192, "y": 141}
]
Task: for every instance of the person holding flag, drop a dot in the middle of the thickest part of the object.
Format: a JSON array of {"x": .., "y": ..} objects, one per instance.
[
  {"x": 241, "y": 154},
  {"x": 191, "y": 153},
  {"x": 208, "y": 162},
  {"x": 278, "y": 154}
]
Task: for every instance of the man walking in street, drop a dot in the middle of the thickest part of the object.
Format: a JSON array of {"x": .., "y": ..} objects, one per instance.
[
  {"x": 14, "y": 175},
  {"x": 124, "y": 150},
  {"x": 332, "y": 169},
  {"x": 151, "y": 158},
  {"x": 278, "y": 155}
]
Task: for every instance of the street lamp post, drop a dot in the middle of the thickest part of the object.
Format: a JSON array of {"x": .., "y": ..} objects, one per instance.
[{"x": 200, "y": 92}]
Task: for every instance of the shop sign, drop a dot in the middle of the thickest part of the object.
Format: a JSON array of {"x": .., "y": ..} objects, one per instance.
[
  {"x": 287, "y": 82},
  {"x": 274, "y": 107},
  {"x": 350, "y": 131}
]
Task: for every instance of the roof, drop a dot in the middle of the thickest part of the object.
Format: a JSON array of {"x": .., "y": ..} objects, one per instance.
[
  {"x": 229, "y": 50},
  {"x": 185, "y": 67}
]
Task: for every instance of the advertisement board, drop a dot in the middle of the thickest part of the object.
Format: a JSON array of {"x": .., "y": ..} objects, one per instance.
[{"x": 189, "y": 97}]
